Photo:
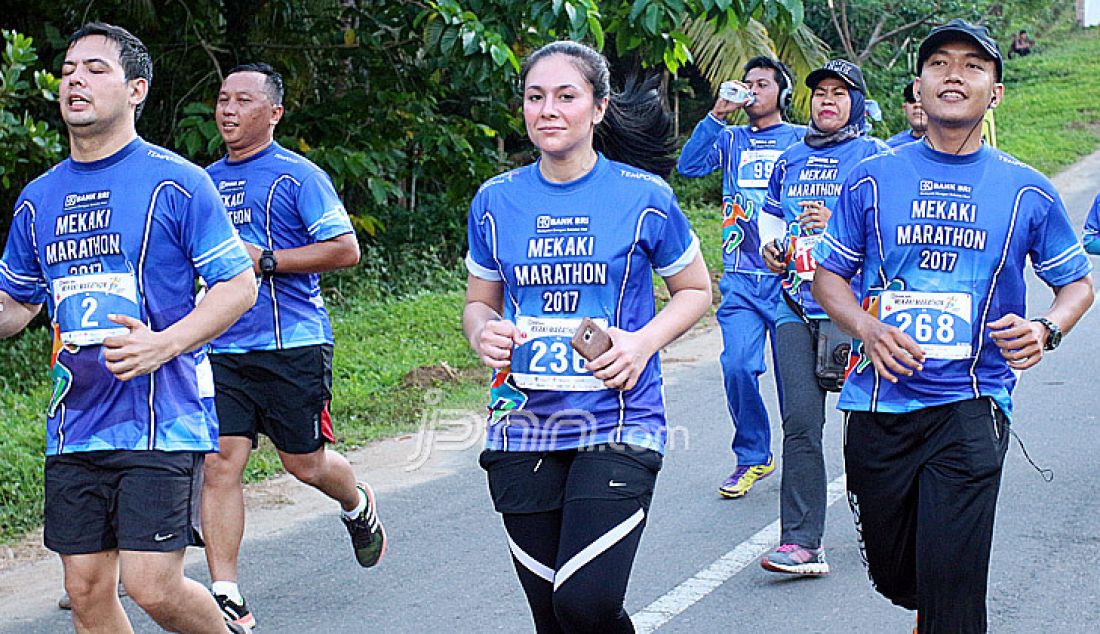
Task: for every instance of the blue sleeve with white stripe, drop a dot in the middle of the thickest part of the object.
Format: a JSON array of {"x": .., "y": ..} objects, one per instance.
[
  {"x": 322, "y": 212},
  {"x": 479, "y": 256},
  {"x": 702, "y": 154},
  {"x": 772, "y": 201},
  {"x": 20, "y": 273},
  {"x": 672, "y": 245},
  {"x": 216, "y": 251},
  {"x": 1091, "y": 238},
  {"x": 1055, "y": 253},
  {"x": 842, "y": 249}
]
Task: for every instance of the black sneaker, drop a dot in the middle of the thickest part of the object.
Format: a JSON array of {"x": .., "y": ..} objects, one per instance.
[
  {"x": 368, "y": 538},
  {"x": 236, "y": 613}
]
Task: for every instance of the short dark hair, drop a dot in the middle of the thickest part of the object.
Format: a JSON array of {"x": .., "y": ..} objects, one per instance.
[
  {"x": 910, "y": 96},
  {"x": 273, "y": 84},
  {"x": 133, "y": 55},
  {"x": 783, "y": 75}
]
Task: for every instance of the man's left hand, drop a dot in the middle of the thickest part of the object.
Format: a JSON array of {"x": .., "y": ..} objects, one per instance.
[{"x": 1021, "y": 341}]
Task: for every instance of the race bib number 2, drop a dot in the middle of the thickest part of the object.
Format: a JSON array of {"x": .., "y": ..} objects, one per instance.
[
  {"x": 83, "y": 303},
  {"x": 546, "y": 361},
  {"x": 939, "y": 322}
]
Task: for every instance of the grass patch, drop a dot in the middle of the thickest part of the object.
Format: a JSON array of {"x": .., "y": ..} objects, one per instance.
[{"x": 1050, "y": 117}]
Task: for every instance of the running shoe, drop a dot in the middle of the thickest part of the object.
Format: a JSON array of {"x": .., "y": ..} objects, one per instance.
[
  {"x": 236, "y": 613},
  {"x": 368, "y": 538},
  {"x": 742, "y": 479},
  {"x": 237, "y": 629},
  {"x": 796, "y": 560}
]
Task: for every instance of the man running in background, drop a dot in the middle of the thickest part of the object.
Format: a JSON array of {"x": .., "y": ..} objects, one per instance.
[
  {"x": 917, "y": 122},
  {"x": 113, "y": 239},
  {"x": 273, "y": 368},
  {"x": 942, "y": 231},
  {"x": 746, "y": 155}
]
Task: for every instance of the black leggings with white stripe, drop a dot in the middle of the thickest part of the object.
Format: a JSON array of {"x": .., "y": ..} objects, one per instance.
[{"x": 574, "y": 561}]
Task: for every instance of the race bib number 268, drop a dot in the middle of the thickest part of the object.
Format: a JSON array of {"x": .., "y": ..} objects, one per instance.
[{"x": 939, "y": 322}]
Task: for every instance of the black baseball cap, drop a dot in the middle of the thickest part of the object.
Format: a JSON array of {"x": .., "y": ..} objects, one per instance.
[
  {"x": 843, "y": 70},
  {"x": 959, "y": 29}
]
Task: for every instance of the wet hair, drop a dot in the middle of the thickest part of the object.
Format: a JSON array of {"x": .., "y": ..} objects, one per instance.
[
  {"x": 783, "y": 77},
  {"x": 636, "y": 128},
  {"x": 273, "y": 82},
  {"x": 133, "y": 55},
  {"x": 910, "y": 96}
]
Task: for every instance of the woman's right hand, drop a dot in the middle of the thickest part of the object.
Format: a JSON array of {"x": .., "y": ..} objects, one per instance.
[{"x": 495, "y": 342}]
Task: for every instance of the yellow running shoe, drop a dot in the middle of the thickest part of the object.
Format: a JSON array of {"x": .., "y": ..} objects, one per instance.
[{"x": 742, "y": 478}]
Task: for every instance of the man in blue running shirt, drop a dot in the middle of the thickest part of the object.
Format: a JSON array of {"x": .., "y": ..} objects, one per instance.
[
  {"x": 914, "y": 113},
  {"x": 750, "y": 292},
  {"x": 942, "y": 230},
  {"x": 273, "y": 368},
  {"x": 113, "y": 239}
]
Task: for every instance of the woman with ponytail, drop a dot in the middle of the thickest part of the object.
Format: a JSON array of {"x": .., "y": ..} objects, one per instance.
[
  {"x": 803, "y": 189},
  {"x": 573, "y": 446}
]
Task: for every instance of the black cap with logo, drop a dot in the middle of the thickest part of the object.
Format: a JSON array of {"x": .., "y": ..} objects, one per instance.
[
  {"x": 843, "y": 70},
  {"x": 959, "y": 29}
]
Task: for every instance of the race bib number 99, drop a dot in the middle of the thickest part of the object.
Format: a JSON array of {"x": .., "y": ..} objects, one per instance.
[
  {"x": 546, "y": 361},
  {"x": 83, "y": 303},
  {"x": 939, "y": 322},
  {"x": 754, "y": 168}
]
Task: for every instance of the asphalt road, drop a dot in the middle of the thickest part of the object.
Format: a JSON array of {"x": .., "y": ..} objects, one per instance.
[{"x": 448, "y": 567}]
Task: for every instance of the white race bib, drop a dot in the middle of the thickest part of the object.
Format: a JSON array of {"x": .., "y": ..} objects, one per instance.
[
  {"x": 804, "y": 262},
  {"x": 82, "y": 304},
  {"x": 940, "y": 323},
  {"x": 546, "y": 361},
  {"x": 754, "y": 169}
]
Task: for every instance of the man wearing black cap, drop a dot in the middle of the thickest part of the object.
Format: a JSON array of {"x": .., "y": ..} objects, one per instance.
[
  {"x": 941, "y": 231},
  {"x": 917, "y": 122}
]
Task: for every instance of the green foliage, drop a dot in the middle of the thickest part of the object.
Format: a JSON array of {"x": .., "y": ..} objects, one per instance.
[{"x": 27, "y": 145}]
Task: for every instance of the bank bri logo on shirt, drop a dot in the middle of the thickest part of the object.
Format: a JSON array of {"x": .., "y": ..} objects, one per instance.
[{"x": 564, "y": 224}]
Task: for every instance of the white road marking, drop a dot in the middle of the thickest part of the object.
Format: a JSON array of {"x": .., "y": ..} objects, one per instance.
[{"x": 692, "y": 590}]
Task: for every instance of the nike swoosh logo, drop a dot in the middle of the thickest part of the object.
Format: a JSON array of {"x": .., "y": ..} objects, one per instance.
[
  {"x": 612, "y": 483},
  {"x": 160, "y": 538}
]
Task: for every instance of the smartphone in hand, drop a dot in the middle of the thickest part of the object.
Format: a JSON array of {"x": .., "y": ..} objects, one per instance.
[{"x": 589, "y": 340}]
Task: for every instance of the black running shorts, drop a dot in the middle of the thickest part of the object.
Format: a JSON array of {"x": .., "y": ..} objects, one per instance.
[
  {"x": 126, "y": 500},
  {"x": 283, "y": 394},
  {"x": 537, "y": 482}
]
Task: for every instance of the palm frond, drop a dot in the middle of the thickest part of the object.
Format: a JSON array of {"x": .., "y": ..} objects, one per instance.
[{"x": 721, "y": 55}]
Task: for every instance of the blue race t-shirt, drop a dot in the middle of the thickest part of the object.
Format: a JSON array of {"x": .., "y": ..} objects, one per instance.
[
  {"x": 902, "y": 138},
  {"x": 746, "y": 156},
  {"x": 280, "y": 200},
  {"x": 804, "y": 173},
  {"x": 565, "y": 251},
  {"x": 128, "y": 234},
  {"x": 942, "y": 241},
  {"x": 1091, "y": 238}
]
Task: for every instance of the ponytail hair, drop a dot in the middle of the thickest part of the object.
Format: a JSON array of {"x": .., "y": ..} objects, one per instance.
[{"x": 636, "y": 128}]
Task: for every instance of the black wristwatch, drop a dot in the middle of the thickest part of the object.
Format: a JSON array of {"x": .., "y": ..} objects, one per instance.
[
  {"x": 268, "y": 263},
  {"x": 1054, "y": 333}
]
